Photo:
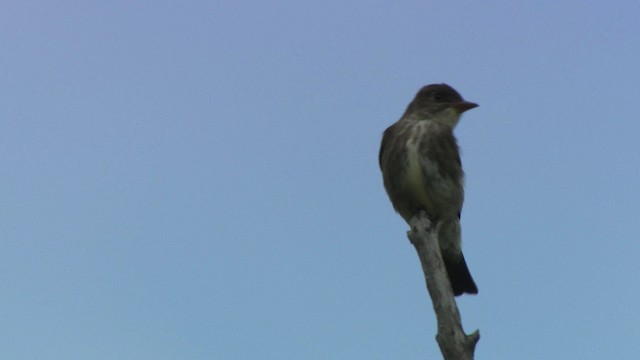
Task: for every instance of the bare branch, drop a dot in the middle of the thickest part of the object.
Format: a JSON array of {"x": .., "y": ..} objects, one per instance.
[{"x": 454, "y": 343}]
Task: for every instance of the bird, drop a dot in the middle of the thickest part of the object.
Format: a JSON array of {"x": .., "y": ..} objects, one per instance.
[{"x": 421, "y": 170}]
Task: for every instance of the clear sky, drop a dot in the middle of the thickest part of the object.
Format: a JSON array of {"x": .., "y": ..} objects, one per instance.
[{"x": 199, "y": 180}]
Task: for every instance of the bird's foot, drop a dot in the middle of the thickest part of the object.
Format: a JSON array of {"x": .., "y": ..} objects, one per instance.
[{"x": 420, "y": 223}]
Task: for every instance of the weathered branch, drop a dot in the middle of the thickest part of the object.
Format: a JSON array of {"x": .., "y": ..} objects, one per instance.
[{"x": 454, "y": 343}]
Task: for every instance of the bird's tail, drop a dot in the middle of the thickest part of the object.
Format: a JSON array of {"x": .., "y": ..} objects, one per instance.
[{"x": 459, "y": 276}]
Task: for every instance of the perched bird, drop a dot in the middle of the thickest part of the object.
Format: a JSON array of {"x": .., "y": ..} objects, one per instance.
[{"x": 421, "y": 169}]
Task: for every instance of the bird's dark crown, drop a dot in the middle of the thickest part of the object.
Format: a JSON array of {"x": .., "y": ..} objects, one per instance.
[
  {"x": 433, "y": 98},
  {"x": 438, "y": 93},
  {"x": 435, "y": 94}
]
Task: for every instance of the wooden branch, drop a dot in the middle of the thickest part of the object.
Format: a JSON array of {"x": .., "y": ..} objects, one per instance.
[{"x": 454, "y": 343}]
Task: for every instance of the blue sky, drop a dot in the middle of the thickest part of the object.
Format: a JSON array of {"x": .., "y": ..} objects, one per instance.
[{"x": 199, "y": 180}]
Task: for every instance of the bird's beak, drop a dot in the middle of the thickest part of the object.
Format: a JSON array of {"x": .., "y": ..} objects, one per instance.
[{"x": 463, "y": 106}]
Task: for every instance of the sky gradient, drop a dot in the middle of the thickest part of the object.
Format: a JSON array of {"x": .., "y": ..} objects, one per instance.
[{"x": 199, "y": 180}]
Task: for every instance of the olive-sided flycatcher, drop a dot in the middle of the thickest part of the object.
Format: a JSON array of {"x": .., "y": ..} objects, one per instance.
[{"x": 421, "y": 169}]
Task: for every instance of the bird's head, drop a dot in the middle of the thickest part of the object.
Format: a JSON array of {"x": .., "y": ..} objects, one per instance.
[{"x": 440, "y": 103}]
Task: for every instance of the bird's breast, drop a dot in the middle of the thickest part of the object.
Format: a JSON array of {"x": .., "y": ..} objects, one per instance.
[
  {"x": 432, "y": 178},
  {"x": 415, "y": 181}
]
